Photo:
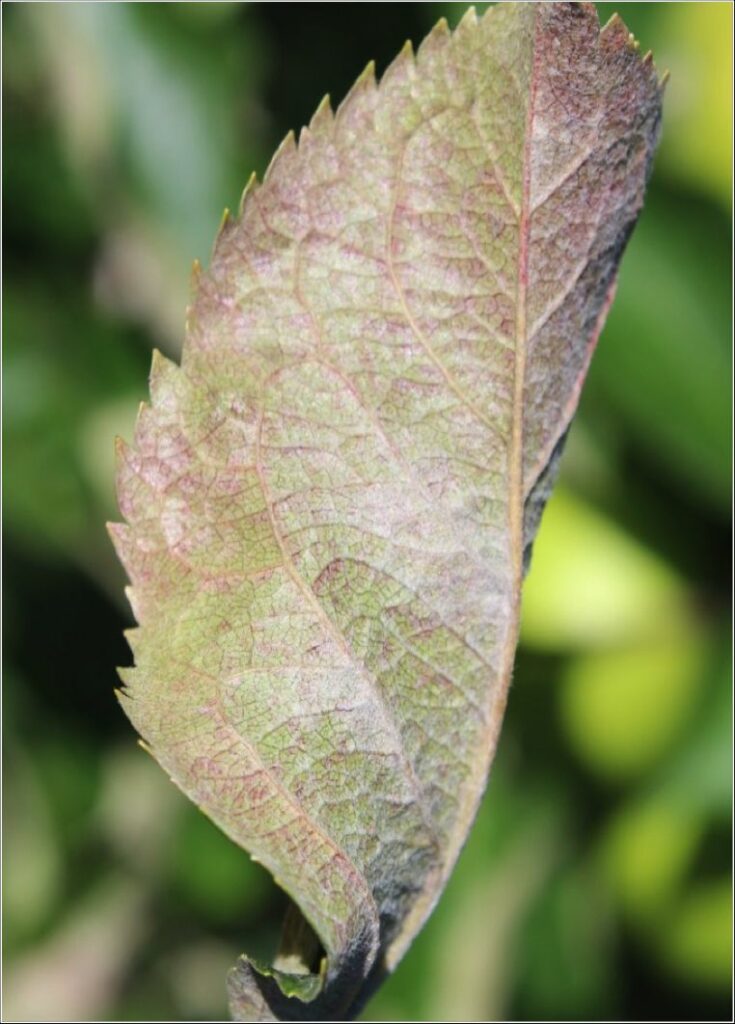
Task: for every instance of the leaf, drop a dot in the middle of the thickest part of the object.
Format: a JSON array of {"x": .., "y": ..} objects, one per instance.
[{"x": 331, "y": 502}]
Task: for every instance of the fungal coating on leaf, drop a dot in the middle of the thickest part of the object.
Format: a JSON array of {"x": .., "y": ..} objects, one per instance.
[{"x": 325, "y": 503}]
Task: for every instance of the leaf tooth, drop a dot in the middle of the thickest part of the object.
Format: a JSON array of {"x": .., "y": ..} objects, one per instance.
[
  {"x": 222, "y": 230},
  {"x": 319, "y": 127},
  {"x": 250, "y": 187},
  {"x": 124, "y": 454},
  {"x": 305, "y": 136},
  {"x": 120, "y": 693},
  {"x": 615, "y": 36},
  {"x": 468, "y": 20},
  {"x": 365, "y": 83},
  {"x": 162, "y": 379},
  {"x": 589, "y": 9},
  {"x": 135, "y": 602},
  {"x": 195, "y": 276},
  {"x": 121, "y": 536},
  {"x": 436, "y": 40},
  {"x": 648, "y": 63},
  {"x": 367, "y": 76},
  {"x": 148, "y": 748},
  {"x": 189, "y": 317},
  {"x": 143, "y": 426},
  {"x": 132, "y": 635},
  {"x": 323, "y": 117},
  {"x": 125, "y": 676},
  {"x": 286, "y": 149},
  {"x": 614, "y": 33},
  {"x": 403, "y": 63},
  {"x": 123, "y": 540},
  {"x": 467, "y": 26},
  {"x": 613, "y": 24}
]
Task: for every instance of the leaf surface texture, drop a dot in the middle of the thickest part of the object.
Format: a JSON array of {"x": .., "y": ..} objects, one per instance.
[{"x": 330, "y": 503}]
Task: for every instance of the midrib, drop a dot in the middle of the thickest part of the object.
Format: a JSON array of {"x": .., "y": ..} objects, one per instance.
[{"x": 475, "y": 784}]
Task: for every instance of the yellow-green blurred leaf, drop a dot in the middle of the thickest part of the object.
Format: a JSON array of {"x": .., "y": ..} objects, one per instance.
[
  {"x": 696, "y": 45},
  {"x": 622, "y": 709},
  {"x": 697, "y": 941},
  {"x": 32, "y": 876},
  {"x": 591, "y": 584},
  {"x": 645, "y": 853}
]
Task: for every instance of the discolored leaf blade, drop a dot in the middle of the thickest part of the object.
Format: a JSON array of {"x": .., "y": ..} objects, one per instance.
[{"x": 330, "y": 504}]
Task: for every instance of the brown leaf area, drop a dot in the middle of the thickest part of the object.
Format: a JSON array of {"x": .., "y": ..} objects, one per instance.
[{"x": 325, "y": 504}]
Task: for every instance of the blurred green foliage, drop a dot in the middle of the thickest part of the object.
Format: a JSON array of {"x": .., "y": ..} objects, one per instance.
[{"x": 596, "y": 883}]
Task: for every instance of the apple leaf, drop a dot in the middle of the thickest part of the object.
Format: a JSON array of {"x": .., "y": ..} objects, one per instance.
[{"x": 331, "y": 503}]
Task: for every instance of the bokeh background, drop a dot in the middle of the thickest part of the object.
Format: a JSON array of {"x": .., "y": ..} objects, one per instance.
[{"x": 596, "y": 883}]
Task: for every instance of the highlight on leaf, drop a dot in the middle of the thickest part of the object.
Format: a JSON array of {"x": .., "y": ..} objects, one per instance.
[{"x": 331, "y": 503}]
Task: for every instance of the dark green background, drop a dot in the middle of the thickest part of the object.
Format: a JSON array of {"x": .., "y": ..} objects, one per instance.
[{"x": 596, "y": 883}]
